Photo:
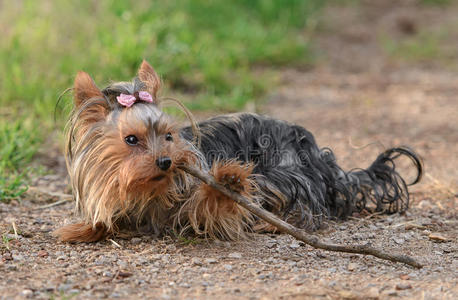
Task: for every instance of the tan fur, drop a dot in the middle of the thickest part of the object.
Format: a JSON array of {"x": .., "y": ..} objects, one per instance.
[
  {"x": 213, "y": 214},
  {"x": 85, "y": 88},
  {"x": 147, "y": 74},
  {"x": 82, "y": 232},
  {"x": 262, "y": 226}
]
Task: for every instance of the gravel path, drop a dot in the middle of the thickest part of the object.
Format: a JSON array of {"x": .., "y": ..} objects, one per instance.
[{"x": 268, "y": 266}]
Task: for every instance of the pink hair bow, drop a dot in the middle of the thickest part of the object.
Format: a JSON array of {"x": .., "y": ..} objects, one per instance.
[{"x": 128, "y": 100}]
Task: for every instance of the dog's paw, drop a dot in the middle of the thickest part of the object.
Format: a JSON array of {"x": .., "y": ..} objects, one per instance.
[
  {"x": 233, "y": 175},
  {"x": 232, "y": 182}
]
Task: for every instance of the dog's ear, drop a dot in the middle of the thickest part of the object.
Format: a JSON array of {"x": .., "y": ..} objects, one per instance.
[
  {"x": 85, "y": 88},
  {"x": 149, "y": 77}
]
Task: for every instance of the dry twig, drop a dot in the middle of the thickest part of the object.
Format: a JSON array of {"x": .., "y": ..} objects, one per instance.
[
  {"x": 50, "y": 195},
  {"x": 57, "y": 203},
  {"x": 299, "y": 234},
  {"x": 115, "y": 243},
  {"x": 16, "y": 236}
]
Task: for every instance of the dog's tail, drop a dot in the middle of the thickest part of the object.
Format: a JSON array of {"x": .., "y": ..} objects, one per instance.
[
  {"x": 379, "y": 188},
  {"x": 82, "y": 232}
]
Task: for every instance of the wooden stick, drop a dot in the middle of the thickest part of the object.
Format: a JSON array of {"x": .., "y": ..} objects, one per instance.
[
  {"x": 299, "y": 234},
  {"x": 57, "y": 203},
  {"x": 64, "y": 198}
]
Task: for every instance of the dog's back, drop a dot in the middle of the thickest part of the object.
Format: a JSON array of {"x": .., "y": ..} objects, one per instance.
[{"x": 302, "y": 181}]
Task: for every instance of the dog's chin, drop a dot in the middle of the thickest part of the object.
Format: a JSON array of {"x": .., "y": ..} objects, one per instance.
[{"x": 160, "y": 181}]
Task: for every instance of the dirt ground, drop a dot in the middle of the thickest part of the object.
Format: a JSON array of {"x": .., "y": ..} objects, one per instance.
[{"x": 357, "y": 100}]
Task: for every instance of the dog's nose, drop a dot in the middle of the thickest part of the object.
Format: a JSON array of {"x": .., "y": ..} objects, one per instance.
[{"x": 164, "y": 163}]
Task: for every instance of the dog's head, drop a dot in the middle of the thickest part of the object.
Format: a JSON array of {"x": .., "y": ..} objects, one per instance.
[{"x": 122, "y": 150}]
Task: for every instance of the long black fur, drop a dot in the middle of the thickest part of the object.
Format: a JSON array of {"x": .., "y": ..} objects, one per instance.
[{"x": 304, "y": 184}]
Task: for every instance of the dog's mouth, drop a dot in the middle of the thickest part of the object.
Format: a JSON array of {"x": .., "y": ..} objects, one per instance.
[{"x": 158, "y": 177}]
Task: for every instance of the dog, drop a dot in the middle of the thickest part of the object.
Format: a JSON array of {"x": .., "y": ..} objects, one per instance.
[{"x": 123, "y": 154}]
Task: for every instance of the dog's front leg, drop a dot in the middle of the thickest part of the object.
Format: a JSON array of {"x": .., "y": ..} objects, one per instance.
[{"x": 213, "y": 214}]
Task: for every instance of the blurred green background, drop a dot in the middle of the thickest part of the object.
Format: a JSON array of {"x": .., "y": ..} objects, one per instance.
[{"x": 207, "y": 52}]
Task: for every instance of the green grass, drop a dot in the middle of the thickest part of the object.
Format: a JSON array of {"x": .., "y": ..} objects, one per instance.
[
  {"x": 436, "y": 2},
  {"x": 207, "y": 52},
  {"x": 19, "y": 141},
  {"x": 6, "y": 242},
  {"x": 422, "y": 47},
  {"x": 205, "y": 47}
]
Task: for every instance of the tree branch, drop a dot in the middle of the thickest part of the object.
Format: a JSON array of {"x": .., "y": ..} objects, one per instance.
[{"x": 299, "y": 234}]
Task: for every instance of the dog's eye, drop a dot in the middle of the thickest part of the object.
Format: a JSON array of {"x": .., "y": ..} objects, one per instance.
[
  {"x": 169, "y": 137},
  {"x": 131, "y": 140}
]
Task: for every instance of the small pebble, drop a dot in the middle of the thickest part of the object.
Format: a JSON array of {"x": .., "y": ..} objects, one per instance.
[
  {"x": 12, "y": 268},
  {"x": 171, "y": 248},
  {"x": 391, "y": 293},
  {"x": 18, "y": 257},
  {"x": 372, "y": 227},
  {"x": 196, "y": 261},
  {"x": 321, "y": 255},
  {"x": 211, "y": 260},
  {"x": 7, "y": 256},
  {"x": 122, "y": 264},
  {"x": 404, "y": 276},
  {"x": 124, "y": 274},
  {"x": 291, "y": 263},
  {"x": 64, "y": 287},
  {"x": 42, "y": 253},
  {"x": 332, "y": 283},
  {"x": 235, "y": 255},
  {"x": 227, "y": 267},
  {"x": 136, "y": 240},
  {"x": 372, "y": 293},
  {"x": 403, "y": 286},
  {"x": 270, "y": 245},
  {"x": 27, "y": 293},
  {"x": 347, "y": 294},
  {"x": 49, "y": 288},
  {"x": 294, "y": 245},
  {"x": 107, "y": 274},
  {"x": 399, "y": 241},
  {"x": 352, "y": 266}
]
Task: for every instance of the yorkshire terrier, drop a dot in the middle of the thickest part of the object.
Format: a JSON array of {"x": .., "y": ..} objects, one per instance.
[{"x": 123, "y": 154}]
